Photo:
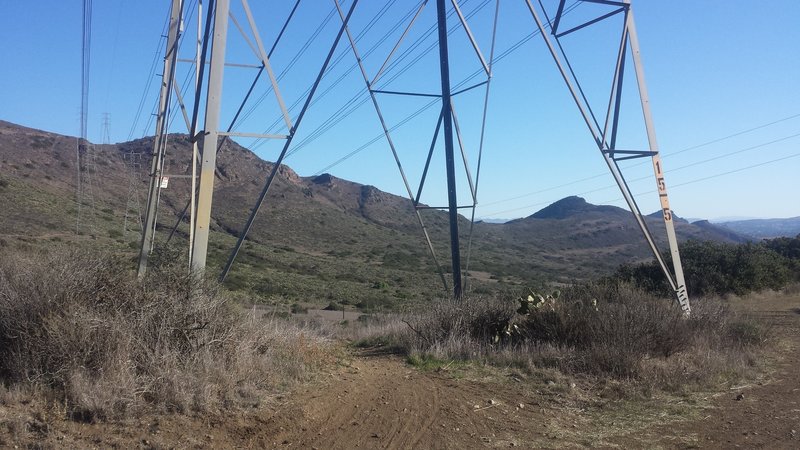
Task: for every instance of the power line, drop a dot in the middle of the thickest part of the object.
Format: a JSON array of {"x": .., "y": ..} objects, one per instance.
[
  {"x": 85, "y": 162},
  {"x": 361, "y": 95},
  {"x": 664, "y": 154},
  {"x": 252, "y": 108},
  {"x": 683, "y": 167},
  {"x": 469, "y": 78},
  {"x": 306, "y": 45},
  {"x": 114, "y": 51},
  {"x": 86, "y": 52},
  {"x": 181, "y": 39},
  {"x": 364, "y": 96},
  {"x": 717, "y": 175},
  {"x": 150, "y": 75}
]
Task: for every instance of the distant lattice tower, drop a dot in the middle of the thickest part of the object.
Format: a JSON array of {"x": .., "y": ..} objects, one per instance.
[
  {"x": 106, "y": 129},
  {"x": 87, "y": 167},
  {"x": 133, "y": 166},
  {"x": 133, "y": 206}
]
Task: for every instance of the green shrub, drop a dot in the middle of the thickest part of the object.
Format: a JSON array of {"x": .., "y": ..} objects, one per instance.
[
  {"x": 333, "y": 306},
  {"x": 610, "y": 334},
  {"x": 715, "y": 268},
  {"x": 297, "y": 308}
]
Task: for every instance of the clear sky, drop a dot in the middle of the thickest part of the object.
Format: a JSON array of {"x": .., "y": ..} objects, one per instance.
[{"x": 722, "y": 77}]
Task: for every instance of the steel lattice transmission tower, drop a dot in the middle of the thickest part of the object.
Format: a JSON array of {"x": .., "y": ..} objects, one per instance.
[
  {"x": 219, "y": 14},
  {"x": 447, "y": 125},
  {"x": 133, "y": 205},
  {"x": 605, "y": 135},
  {"x": 106, "y": 125},
  {"x": 213, "y": 35}
]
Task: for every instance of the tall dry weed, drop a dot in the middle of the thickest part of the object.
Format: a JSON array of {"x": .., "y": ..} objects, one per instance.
[
  {"x": 604, "y": 330},
  {"x": 108, "y": 345}
]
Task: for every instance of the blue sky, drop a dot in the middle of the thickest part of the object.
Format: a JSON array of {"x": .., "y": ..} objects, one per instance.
[{"x": 714, "y": 70}]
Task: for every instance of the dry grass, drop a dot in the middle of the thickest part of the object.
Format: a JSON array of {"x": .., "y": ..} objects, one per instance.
[
  {"x": 81, "y": 328},
  {"x": 628, "y": 336}
]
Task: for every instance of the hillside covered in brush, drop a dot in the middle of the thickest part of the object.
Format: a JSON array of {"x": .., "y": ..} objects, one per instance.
[{"x": 317, "y": 239}]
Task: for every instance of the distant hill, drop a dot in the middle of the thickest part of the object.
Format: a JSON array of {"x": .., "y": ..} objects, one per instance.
[
  {"x": 723, "y": 231},
  {"x": 575, "y": 206},
  {"x": 765, "y": 228},
  {"x": 316, "y": 239}
]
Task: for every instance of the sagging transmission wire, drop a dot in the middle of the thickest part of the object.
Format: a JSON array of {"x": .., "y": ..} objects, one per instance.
[
  {"x": 291, "y": 64},
  {"x": 502, "y": 55},
  {"x": 724, "y": 155},
  {"x": 296, "y": 57},
  {"x": 362, "y": 96},
  {"x": 665, "y": 154},
  {"x": 149, "y": 122},
  {"x": 294, "y": 60},
  {"x": 424, "y": 108},
  {"x": 150, "y": 75},
  {"x": 260, "y": 142}
]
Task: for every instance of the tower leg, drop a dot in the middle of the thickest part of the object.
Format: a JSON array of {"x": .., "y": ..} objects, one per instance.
[
  {"x": 157, "y": 163},
  {"x": 447, "y": 124},
  {"x": 210, "y": 140}
]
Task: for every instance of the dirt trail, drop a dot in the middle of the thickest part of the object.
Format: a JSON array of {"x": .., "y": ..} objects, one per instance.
[
  {"x": 377, "y": 401},
  {"x": 759, "y": 416}
]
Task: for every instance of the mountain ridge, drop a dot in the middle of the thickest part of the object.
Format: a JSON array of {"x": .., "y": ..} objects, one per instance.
[{"x": 315, "y": 230}]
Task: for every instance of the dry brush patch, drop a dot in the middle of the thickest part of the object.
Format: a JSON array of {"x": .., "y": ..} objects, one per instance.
[
  {"x": 601, "y": 331},
  {"x": 81, "y": 329}
]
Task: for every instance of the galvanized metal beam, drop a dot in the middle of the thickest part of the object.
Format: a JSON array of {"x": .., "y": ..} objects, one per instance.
[
  {"x": 658, "y": 166},
  {"x": 249, "y": 224},
  {"x": 470, "y": 36},
  {"x": 211, "y": 136},
  {"x": 397, "y": 45},
  {"x": 608, "y": 149},
  {"x": 159, "y": 144},
  {"x": 447, "y": 126}
]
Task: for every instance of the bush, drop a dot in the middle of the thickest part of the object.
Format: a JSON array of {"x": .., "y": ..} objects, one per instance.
[
  {"x": 461, "y": 329},
  {"x": 715, "y": 268},
  {"x": 82, "y": 327},
  {"x": 333, "y": 306},
  {"x": 297, "y": 308},
  {"x": 609, "y": 334},
  {"x": 604, "y": 329}
]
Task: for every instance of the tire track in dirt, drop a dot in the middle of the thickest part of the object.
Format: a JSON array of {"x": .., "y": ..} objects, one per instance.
[
  {"x": 379, "y": 402},
  {"x": 376, "y": 403}
]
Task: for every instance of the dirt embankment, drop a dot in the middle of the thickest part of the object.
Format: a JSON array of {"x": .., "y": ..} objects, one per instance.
[{"x": 377, "y": 401}]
